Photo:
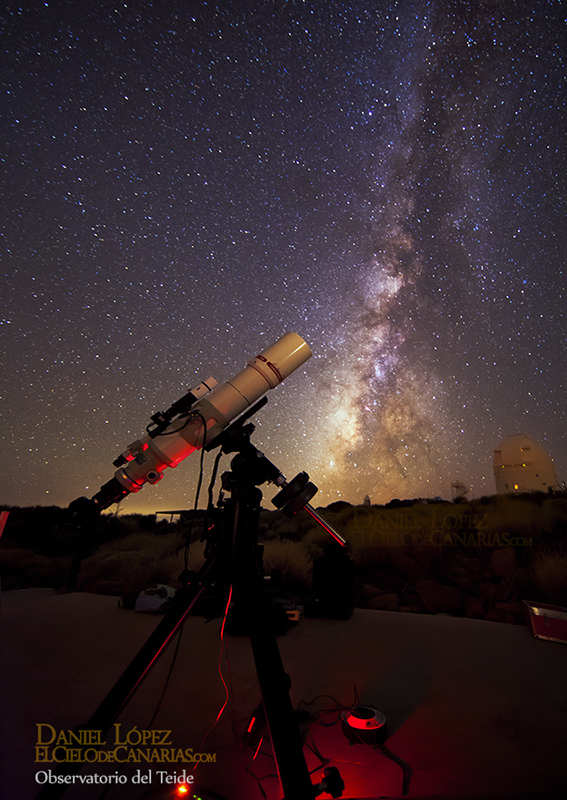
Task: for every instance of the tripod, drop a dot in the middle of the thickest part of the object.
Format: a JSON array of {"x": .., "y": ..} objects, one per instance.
[{"x": 232, "y": 558}]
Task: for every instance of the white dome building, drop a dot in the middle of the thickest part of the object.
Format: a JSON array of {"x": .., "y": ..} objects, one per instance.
[{"x": 522, "y": 465}]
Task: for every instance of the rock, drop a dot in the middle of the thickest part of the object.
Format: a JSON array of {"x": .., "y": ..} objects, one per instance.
[
  {"x": 414, "y": 608},
  {"x": 404, "y": 564},
  {"x": 368, "y": 590},
  {"x": 511, "y": 608},
  {"x": 486, "y": 592},
  {"x": 473, "y": 608},
  {"x": 495, "y": 615},
  {"x": 437, "y": 597},
  {"x": 466, "y": 583},
  {"x": 503, "y": 561},
  {"x": 476, "y": 578},
  {"x": 384, "y": 602},
  {"x": 108, "y": 587}
]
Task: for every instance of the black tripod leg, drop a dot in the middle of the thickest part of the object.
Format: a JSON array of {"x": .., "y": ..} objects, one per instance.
[
  {"x": 286, "y": 740},
  {"x": 132, "y": 677},
  {"x": 241, "y": 529}
]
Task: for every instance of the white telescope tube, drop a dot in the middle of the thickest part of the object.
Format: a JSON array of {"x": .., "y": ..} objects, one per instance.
[{"x": 215, "y": 411}]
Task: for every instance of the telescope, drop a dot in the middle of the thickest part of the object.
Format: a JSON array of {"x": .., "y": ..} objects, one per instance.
[
  {"x": 199, "y": 417},
  {"x": 213, "y": 416}
]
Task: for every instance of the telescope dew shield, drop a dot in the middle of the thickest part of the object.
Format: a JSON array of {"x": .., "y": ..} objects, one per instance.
[
  {"x": 216, "y": 411},
  {"x": 262, "y": 373}
]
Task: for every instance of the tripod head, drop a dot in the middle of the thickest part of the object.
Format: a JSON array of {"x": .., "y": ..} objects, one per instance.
[{"x": 293, "y": 496}]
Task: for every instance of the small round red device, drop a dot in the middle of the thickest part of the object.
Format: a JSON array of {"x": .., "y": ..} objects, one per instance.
[{"x": 364, "y": 725}]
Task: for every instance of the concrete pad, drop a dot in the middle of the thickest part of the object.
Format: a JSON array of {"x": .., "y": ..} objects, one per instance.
[{"x": 476, "y": 708}]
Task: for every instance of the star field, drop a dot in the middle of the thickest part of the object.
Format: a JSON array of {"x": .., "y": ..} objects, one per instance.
[{"x": 183, "y": 183}]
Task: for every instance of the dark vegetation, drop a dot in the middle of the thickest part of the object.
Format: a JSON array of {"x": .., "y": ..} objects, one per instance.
[{"x": 476, "y": 558}]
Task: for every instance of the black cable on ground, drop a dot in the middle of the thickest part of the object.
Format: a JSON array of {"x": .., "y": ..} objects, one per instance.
[{"x": 405, "y": 767}]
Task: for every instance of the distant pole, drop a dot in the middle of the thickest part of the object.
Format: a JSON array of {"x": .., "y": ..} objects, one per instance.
[{"x": 3, "y": 520}]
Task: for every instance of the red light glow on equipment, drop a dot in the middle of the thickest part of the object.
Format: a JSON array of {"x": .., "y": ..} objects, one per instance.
[
  {"x": 364, "y": 725},
  {"x": 186, "y": 429},
  {"x": 182, "y": 790},
  {"x": 365, "y": 719},
  {"x": 258, "y": 749}
]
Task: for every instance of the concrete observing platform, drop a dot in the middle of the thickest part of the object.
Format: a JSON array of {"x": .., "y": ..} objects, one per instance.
[{"x": 476, "y": 708}]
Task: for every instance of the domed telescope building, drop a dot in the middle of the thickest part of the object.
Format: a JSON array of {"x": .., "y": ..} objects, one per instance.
[{"x": 522, "y": 465}]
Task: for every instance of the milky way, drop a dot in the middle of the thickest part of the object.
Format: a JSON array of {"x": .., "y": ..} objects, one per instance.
[
  {"x": 435, "y": 238},
  {"x": 185, "y": 182}
]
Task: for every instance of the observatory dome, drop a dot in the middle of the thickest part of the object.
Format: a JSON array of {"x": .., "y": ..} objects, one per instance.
[{"x": 522, "y": 465}]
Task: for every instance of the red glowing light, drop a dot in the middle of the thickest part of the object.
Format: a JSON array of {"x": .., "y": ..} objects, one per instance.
[
  {"x": 258, "y": 748},
  {"x": 182, "y": 790}
]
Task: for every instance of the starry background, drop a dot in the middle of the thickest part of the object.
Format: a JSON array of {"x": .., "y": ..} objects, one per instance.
[{"x": 184, "y": 182}]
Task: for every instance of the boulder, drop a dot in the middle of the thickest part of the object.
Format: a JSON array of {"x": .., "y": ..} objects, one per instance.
[
  {"x": 495, "y": 615},
  {"x": 515, "y": 607},
  {"x": 487, "y": 591},
  {"x": 384, "y": 602},
  {"x": 503, "y": 561},
  {"x": 108, "y": 587},
  {"x": 368, "y": 590},
  {"x": 473, "y": 608},
  {"x": 404, "y": 564},
  {"x": 438, "y": 597},
  {"x": 466, "y": 583}
]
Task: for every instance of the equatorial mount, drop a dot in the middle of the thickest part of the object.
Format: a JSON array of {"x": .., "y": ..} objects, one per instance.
[{"x": 233, "y": 558}]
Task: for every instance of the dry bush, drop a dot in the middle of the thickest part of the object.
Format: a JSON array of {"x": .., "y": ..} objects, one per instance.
[
  {"x": 137, "y": 561},
  {"x": 21, "y": 569},
  {"x": 131, "y": 571},
  {"x": 315, "y": 542},
  {"x": 159, "y": 546},
  {"x": 276, "y": 525},
  {"x": 388, "y": 526},
  {"x": 554, "y": 516},
  {"x": 516, "y": 516},
  {"x": 550, "y": 576},
  {"x": 340, "y": 519},
  {"x": 293, "y": 560},
  {"x": 368, "y": 556}
]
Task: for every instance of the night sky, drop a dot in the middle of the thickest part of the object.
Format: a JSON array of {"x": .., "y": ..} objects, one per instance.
[{"x": 185, "y": 182}]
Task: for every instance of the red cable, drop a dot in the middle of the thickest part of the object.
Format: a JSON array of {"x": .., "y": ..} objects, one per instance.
[{"x": 220, "y": 673}]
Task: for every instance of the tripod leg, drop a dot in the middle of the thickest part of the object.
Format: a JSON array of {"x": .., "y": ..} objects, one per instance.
[
  {"x": 241, "y": 529},
  {"x": 286, "y": 740},
  {"x": 132, "y": 677}
]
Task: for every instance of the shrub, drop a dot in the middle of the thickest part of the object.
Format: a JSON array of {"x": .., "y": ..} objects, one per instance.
[
  {"x": 293, "y": 561},
  {"x": 520, "y": 517},
  {"x": 137, "y": 561},
  {"x": 550, "y": 576},
  {"x": 554, "y": 516},
  {"x": 22, "y": 569}
]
